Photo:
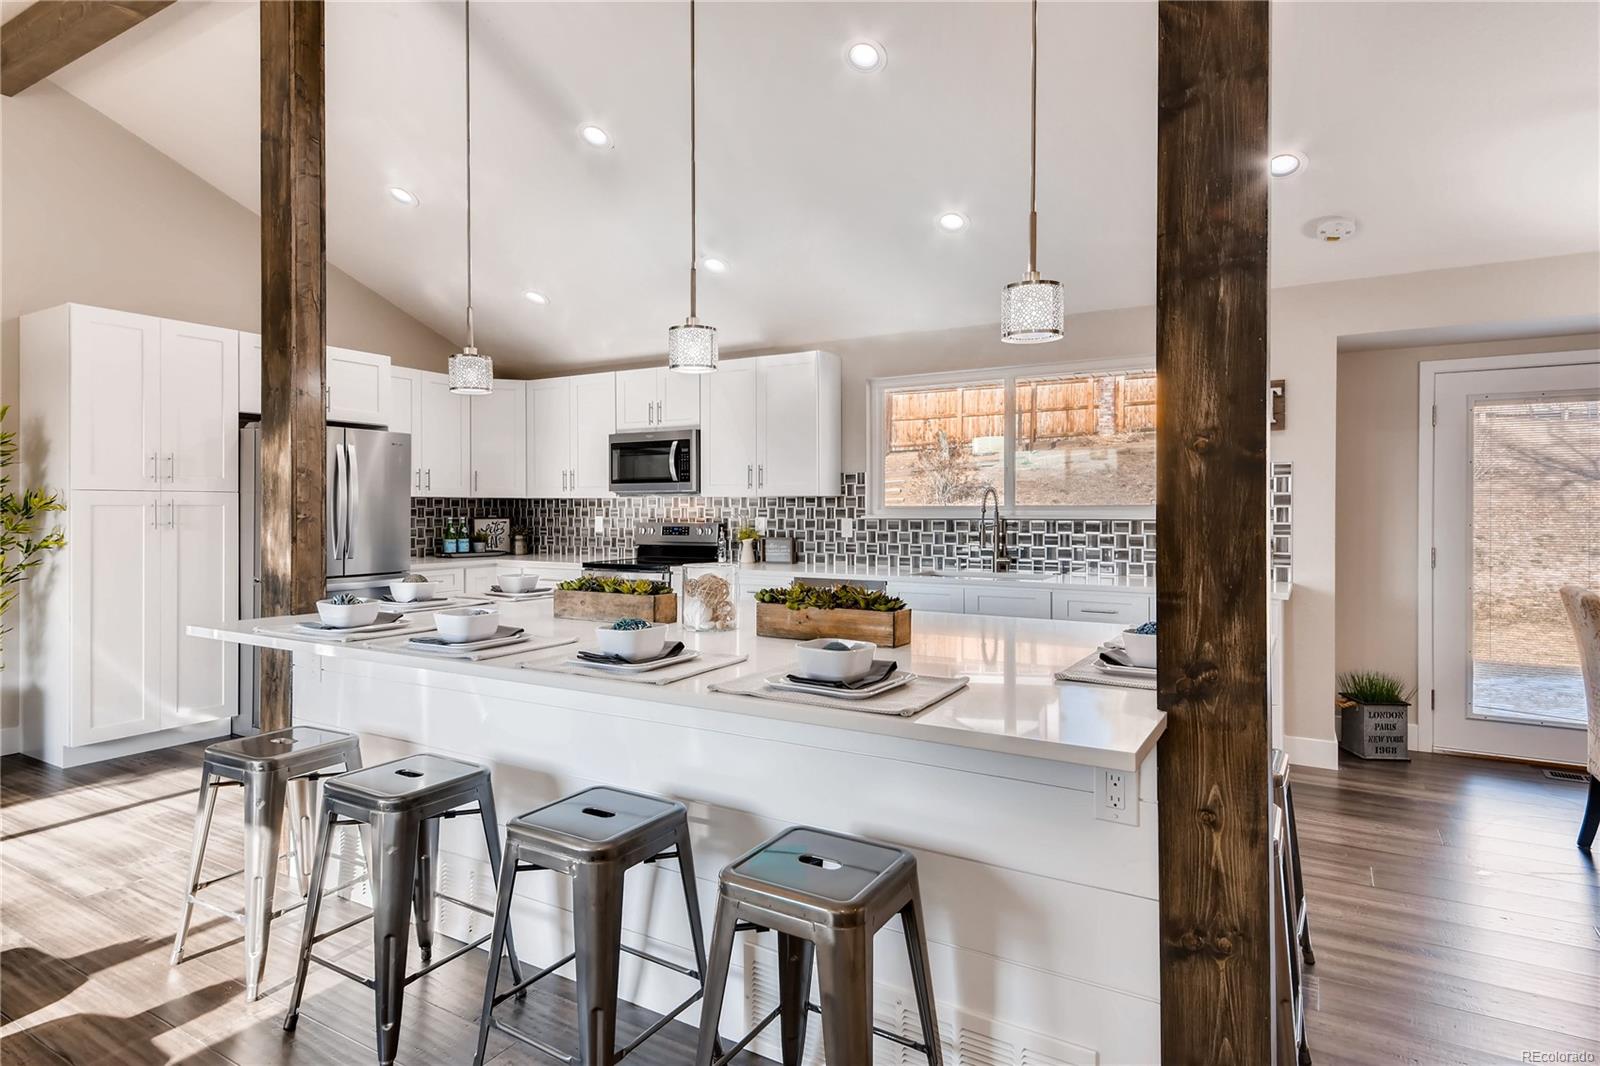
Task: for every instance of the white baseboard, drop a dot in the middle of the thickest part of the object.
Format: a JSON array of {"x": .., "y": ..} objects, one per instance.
[
  {"x": 10, "y": 740},
  {"x": 1312, "y": 751}
]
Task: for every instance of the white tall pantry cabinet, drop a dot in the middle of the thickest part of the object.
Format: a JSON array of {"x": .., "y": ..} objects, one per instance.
[
  {"x": 770, "y": 426},
  {"x": 133, "y": 421}
]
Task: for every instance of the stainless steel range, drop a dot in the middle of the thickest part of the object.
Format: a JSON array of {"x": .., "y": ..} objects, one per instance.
[{"x": 659, "y": 547}]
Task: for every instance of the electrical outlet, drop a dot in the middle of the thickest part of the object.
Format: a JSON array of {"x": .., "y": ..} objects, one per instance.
[
  {"x": 1116, "y": 796},
  {"x": 847, "y": 528},
  {"x": 599, "y": 523}
]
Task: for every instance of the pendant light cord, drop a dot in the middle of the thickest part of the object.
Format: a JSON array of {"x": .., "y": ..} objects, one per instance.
[
  {"x": 467, "y": 14},
  {"x": 694, "y": 199},
  {"x": 1033, "y": 146}
]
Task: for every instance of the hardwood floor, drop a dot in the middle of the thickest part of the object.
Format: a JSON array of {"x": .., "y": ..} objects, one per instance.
[
  {"x": 1453, "y": 918},
  {"x": 1453, "y": 921},
  {"x": 91, "y": 864}
]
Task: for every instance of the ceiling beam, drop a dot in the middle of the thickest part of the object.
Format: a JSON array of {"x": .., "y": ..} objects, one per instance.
[
  {"x": 48, "y": 34},
  {"x": 294, "y": 436},
  {"x": 1211, "y": 571}
]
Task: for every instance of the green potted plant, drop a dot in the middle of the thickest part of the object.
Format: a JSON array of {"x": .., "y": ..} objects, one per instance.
[
  {"x": 1373, "y": 715},
  {"x": 747, "y": 544},
  {"x": 24, "y": 541}
]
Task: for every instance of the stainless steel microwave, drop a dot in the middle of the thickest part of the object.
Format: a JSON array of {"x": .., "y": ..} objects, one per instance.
[{"x": 657, "y": 462}]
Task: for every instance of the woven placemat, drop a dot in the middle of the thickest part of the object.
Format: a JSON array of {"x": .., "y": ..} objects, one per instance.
[
  {"x": 701, "y": 664},
  {"x": 908, "y": 699},
  {"x": 1085, "y": 671}
]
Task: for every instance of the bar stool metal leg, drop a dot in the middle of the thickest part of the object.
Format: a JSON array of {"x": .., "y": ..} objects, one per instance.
[
  {"x": 497, "y": 943},
  {"x": 491, "y": 838},
  {"x": 844, "y": 972},
  {"x": 301, "y": 794},
  {"x": 308, "y": 928},
  {"x": 916, "y": 930},
  {"x": 795, "y": 956},
  {"x": 1302, "y": 914},
  {"x": 422, "y": 890},
  {"x": 206, "y": 807},
  {"x": 716, "y": 985},
  {"x": 391, "y": 873},
  {"x": 597, "y": 931},
  {"x": 263, "y": 823}
]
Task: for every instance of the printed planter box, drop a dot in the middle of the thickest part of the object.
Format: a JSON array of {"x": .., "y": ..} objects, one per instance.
[
  {"x": 887, "y": 629},
  {"x": 610, "y": 606},
  {"x": 1374, "y": 730}
]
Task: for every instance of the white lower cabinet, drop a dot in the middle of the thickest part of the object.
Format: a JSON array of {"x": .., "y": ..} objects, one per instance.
[
  {"x": 447, "y": 577},
  {"x": 922, "y": 597},
  {"x": 1129, "y": 610},
  {"x": 480, "y": 579},
  {"x": 1010, "y": 602},
  {"x": 144, "y": 566}
]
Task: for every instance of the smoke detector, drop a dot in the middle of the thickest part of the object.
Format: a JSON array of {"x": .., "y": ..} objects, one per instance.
[{"x": 1336, "y": 228}]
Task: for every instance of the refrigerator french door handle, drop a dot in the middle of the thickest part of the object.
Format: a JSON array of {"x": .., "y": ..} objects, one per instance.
[
  {"x": 338, "y": 501},
  {"x": 353, "y": 507}
]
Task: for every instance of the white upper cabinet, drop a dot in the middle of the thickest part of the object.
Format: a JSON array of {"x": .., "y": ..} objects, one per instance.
[
  {"x": 405, "y": 416},
  {"x": 570, "y": 421},
  {"x": 499, "y": 436},
  {"x": 357, "y": 383},
  {"x": 199, "y": 408},
  {"x": 770, "y": 426},
  {"x": 446, "y": 444},
  {"x": 549, "y": 436},
  {"x": 115, "y": 394},
  {"x": 656, "y": 397},
  {"x": 593, "y": 415},
  {"x": 358, "y": 387},
  {"x": 728, "y": 434}
]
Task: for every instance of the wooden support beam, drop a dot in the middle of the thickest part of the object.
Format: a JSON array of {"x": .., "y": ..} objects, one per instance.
[
  {"x": 1211, "y": 570},
  {"x": 293, "y": 333},
  {"x": 48, "y": 34}
]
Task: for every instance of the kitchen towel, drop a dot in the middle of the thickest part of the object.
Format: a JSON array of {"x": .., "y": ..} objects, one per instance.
[
  {"x": 907, "y": 700},
  {"x": 1084, "y": 670},
  {"x": 666, "y": 675}
]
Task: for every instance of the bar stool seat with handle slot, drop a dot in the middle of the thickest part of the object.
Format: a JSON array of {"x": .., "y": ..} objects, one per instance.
[
  {"x": 826, "y": 895},
  {"x": 593, "y": 837},
  {"x": 400, "y": 804},
  {"x": 276, "y": 769}
]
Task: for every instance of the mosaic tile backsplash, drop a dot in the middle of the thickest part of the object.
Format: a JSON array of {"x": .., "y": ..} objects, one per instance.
[{"x": 565, "y": 526}]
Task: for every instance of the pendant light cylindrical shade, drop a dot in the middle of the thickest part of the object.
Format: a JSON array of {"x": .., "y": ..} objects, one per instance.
[
  {"x": 692, "y": 346},
  {"x": 471, "y": 373},
  {"x": 1033, "y": 310}
]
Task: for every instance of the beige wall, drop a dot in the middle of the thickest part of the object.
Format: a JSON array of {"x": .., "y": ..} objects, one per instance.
[
  {"x": 1376, "y": 495},
  {"x": 1306, "y": 326},
  {"x": 91, "y": 214}
]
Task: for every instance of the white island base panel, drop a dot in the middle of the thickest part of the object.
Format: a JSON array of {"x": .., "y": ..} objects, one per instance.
[{"x": 1043, "y": 926}]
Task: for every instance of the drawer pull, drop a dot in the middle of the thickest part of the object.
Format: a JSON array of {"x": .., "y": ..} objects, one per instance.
[{"x": 1099, "y": 610}]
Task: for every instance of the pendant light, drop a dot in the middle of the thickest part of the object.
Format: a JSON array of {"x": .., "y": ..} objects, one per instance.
[
  {"x": 471, "y": 374},
  {"x": 1033, "y": 310},
  {"x": 692, "y": 346}
]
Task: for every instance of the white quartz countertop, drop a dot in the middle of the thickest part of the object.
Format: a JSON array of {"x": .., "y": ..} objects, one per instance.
[{"x": 1013, "y": 705}]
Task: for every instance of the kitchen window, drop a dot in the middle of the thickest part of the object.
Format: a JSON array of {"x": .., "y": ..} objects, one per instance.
[{"x": 1063, "y": 440}]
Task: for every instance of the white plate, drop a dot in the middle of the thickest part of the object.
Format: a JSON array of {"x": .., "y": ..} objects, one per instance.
[
  {"x": 898, "y": 679},
  {"x": 686, "y": 655},
  {"x": 1144, "y": 673},
  {"x": 517, "y": 597},
  {"x": 321, "y": 630},
  {"x": 504, "y": 635}
]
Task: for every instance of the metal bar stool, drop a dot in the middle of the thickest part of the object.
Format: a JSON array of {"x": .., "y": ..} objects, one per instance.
[
  {"x": 1290, "y": 895},
  {"x": 400, "y": 803},
  {"x": 274, "y": 769},
  {"x": 594, "y": 837},
  {"x": 1283, "y": 796},
  {"x": 826, "y": 895}
]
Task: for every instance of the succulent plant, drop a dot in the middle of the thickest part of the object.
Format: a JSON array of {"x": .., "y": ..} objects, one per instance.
[
  {"x": 620, "y": 586},
  {"x": 415, "y": 579},
  {"x": 840, "y": 597},
  {"x": 344, "y": 599},
  {"x": 630, "y": 623}
]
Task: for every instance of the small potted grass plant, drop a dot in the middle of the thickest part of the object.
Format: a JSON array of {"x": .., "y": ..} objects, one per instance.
[{"x": 1373, "y": 715}]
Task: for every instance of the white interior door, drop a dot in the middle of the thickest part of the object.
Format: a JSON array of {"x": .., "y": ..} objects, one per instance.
[
  {"x": 1515, "y": 515},
  {"x": 114, "y": 544},
  {"x": 116, "y": 399},
  {"x": 445, "y": 443},
  {"x": 728, "y": 442},
  {"x": 594, "y": 411},
  {"x": 550, "y": 436},
  {"x": 199, "y": 586},
  {"x": 199, "y": 408}
]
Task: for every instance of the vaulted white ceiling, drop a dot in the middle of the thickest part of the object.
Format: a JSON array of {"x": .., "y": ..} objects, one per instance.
[{"x": 1454, "y": 133}]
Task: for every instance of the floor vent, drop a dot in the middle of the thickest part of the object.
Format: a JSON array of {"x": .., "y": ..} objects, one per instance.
[
  {"x": 969, "y": 1040},
  {"x": 1566, "y": 775}
]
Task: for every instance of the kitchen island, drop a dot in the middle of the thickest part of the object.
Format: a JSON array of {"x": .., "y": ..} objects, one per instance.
[{"x": 1042, "y": 915}]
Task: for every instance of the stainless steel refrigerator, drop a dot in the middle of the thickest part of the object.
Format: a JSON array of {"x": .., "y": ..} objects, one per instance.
[{"x": 367, "y": 518}]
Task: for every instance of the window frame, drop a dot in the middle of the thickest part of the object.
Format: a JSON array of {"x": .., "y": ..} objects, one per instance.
[{"x": 1008, "y": 375}]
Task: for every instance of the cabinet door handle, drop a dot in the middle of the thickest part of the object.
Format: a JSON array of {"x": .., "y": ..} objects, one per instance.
[
  {"x": 155, "y": 516},
  {"x": 172, "y": 515},
  {"x": 429, "y": 472},
  {"x": 154, "y": 470},
  {"x": 750, "y": 476},
  {"x": 761, "y": 474},
  {"x": 474, "y": 481},
  {"x": 1098, "y": 610},
  {"x": 171, "y": 468}
]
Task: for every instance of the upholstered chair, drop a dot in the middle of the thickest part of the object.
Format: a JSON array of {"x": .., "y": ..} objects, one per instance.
[{"x": 1583, "y": 607}]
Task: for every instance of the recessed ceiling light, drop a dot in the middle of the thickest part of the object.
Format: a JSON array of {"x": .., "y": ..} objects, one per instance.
[
  {"x": 594, "y": 136},
  {"x": 952, "y": 221},
  {"x": 865, "y": 56},
  {"x": 713, "y": 264},
  {"x": 539, "y": 298},
  {"x": 404, "y": 196},
  {"x": 1284, "y": 164}
]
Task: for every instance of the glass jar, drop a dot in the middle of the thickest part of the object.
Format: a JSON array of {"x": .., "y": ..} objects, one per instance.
[{"x": 709, "y": 597}]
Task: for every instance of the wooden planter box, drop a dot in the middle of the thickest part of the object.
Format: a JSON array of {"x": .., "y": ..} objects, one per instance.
[
  {"x": 610, "y": 606},
  {"x": 1374, "y": 730},
  {"x": 887, "y": 629}
]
